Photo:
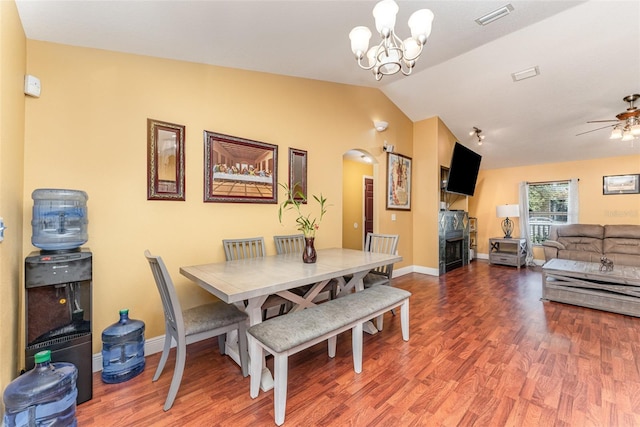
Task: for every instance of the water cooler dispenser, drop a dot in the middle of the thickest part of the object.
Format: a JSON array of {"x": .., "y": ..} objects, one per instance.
[
  {"x": 58, "y": 282},
  {"x": 58, "y": 311}
]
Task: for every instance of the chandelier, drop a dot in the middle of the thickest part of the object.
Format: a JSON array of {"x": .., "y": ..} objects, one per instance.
[{"x": 392, "y": 54}]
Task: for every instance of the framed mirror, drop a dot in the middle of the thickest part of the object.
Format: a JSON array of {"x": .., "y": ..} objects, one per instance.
[
  {"x": 298, "y": 173},
  {"x": 165, "y": 161}
]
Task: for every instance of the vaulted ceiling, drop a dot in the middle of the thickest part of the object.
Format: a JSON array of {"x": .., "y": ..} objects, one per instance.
[{"x": 587, "y": 53}]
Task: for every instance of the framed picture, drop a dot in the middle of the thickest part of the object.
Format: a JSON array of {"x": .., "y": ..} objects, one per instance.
[
  {"x": 621, "y": 184},
  {"x": 239, "y": 170},
  {"x": 298, "y": 173},
  {"x": 398, "y": 182},
  {"x": 165, "y": 161}
]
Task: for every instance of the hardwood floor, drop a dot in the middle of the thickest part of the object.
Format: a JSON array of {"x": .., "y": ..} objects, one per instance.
[{"x": 484, "y": 350}]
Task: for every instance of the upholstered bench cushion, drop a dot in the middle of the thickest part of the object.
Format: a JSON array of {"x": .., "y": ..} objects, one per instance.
[{"x": 285, "y": 332}]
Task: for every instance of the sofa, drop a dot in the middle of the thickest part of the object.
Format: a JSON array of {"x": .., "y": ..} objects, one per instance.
[
  {"x": 590, "y": 242},
  {"x": 593, "y": 285}
]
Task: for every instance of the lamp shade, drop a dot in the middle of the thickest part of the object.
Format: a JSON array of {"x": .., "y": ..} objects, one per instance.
[
  {"x": 385, "y": 15},
  {"x": 506, "y": 211},
  {"x": 360, "y": 40},
  {"x": 420, "y": 24}
]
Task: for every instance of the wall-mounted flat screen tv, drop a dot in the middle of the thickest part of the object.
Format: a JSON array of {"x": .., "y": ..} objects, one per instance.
[{"x": 463, "y": 170}]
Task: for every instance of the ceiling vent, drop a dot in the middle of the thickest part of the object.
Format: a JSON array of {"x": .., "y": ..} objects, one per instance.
[
  {"x": 496, "y": 14},
  {"x": 525, "y": 74}
]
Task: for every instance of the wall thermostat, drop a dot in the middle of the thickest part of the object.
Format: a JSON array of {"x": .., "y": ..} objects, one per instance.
[{"x": 32, "y": 86}]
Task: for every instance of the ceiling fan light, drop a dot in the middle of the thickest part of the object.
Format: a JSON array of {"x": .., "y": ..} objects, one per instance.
[
  {"x": 635, "y": 130},
  {"x": 627, "y": 136},
  {"x": 616, "y": 133}
]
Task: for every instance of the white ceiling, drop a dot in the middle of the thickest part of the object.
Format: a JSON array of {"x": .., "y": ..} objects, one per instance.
[{"x": 588, "y": 54}]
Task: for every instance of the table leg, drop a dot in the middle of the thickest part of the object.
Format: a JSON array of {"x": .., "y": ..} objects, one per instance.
[{"x": 254, "y": 310}]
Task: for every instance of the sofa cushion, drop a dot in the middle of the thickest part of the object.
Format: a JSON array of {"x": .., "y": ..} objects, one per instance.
[
  {"x": 616, "y": 245},
  {"x": 580, "y": 255},
  {"x": 595, "y": 231},
  {"x": 623, "y": 231},
  {"x": 580, "y": 243}
]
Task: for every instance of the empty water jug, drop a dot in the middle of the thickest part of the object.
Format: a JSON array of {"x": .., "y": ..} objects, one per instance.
[
  {"x": 122, "y": 349},
  {"x": 43, "y": 396},
  {"x": 59, "y": 219}
]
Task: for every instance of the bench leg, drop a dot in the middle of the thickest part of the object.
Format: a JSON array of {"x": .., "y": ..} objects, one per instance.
[
  {"x": 404, "y": 319},
  {"x": 255, "y": 366},
  {"x": 356, "y": 344},
  {"x": 380, "y": 322},
  {"x": 280, "y": 368},
  {"x": 331, "y": 343}
]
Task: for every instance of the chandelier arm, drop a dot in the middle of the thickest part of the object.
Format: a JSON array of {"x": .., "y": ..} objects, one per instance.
[{"x": 363, "y": 66}]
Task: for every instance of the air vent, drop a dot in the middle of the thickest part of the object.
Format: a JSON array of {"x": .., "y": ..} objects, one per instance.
[
  {"x": 525, "y": 74},
  {"x": 496, "y": 14}
]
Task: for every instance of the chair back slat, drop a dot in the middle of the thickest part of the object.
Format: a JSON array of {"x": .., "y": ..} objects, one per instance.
[
  {"x": 289, "y": 244},
  {"x": 170, "y": 302},
  {"x": 382, "y": 243},
  {"x": 244, "y": 248}
]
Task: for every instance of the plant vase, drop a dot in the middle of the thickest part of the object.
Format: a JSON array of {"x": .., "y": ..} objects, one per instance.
[{"x": 309, "y": 255}]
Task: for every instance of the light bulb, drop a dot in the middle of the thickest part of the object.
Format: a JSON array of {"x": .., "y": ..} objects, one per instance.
[
  {"x": 627, "y": 136},
  {"x": 616, "y": 133}
]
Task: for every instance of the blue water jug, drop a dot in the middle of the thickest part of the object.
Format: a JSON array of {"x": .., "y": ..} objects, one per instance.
[
  {"x": 45, "y": 395},
  {"x": 59, "y": 219},
  {"x": 122, "y": 349}
]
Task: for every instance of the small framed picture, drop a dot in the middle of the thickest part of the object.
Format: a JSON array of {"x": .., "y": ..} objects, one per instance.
[
  {"x": 398, "y": 182},
  {"x": 621, "y": 184}
]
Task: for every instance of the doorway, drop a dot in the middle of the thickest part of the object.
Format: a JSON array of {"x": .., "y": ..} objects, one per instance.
[
  {"x": 358, "y": 203},
  {"x": 368, "y": 207}
]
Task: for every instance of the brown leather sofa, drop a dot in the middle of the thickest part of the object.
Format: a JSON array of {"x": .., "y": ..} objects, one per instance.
[{"x": 590, "y": 242}]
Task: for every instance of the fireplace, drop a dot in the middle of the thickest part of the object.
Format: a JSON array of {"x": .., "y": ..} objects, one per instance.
[
  {"x": 453, "y": 250},
  {"x": 453, "y": 236}
]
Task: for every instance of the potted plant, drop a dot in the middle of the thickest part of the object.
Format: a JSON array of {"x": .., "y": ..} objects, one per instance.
[{"x": 307, "y": 224}]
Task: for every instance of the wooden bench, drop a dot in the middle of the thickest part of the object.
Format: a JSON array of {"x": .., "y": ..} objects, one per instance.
[{"x": 286, "y": 335}]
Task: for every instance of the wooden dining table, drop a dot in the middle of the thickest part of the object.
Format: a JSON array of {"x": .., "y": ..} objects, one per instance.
[{"x": 248, "y": 282}]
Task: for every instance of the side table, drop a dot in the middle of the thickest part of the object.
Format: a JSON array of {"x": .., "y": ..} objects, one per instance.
[{"x": 508, "y": 251}]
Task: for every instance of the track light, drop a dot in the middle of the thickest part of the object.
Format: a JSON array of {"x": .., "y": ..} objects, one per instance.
[{"x": 477, "y": 133}]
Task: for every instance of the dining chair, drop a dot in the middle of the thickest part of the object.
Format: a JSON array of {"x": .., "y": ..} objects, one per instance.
[
  {"x": 253, "y": 247},
  {"x": 386, "y": 244},
  {"x": 294, "y": 243},
  {"x": 291, "y": 243},
  {"x": 191, "y": 325}
]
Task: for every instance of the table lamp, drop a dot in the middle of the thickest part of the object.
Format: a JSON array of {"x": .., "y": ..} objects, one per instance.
[{"x": 506, "y": 211}]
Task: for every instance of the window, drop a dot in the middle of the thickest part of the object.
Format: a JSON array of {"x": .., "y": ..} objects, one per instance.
[{"x": 548, "y": 204}]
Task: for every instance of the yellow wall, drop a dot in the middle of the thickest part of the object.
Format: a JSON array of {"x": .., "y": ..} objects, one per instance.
[
  {"x": 500, "y": 186},
  {"x": 433, "y": 144},
  {"x": 352, "y": 201},
  {"x": 87, "y": 131},
  {"x": 12, "y": 70}
]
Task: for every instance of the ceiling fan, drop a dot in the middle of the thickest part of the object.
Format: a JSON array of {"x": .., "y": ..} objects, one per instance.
[{"x": 627, "y": 124}]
